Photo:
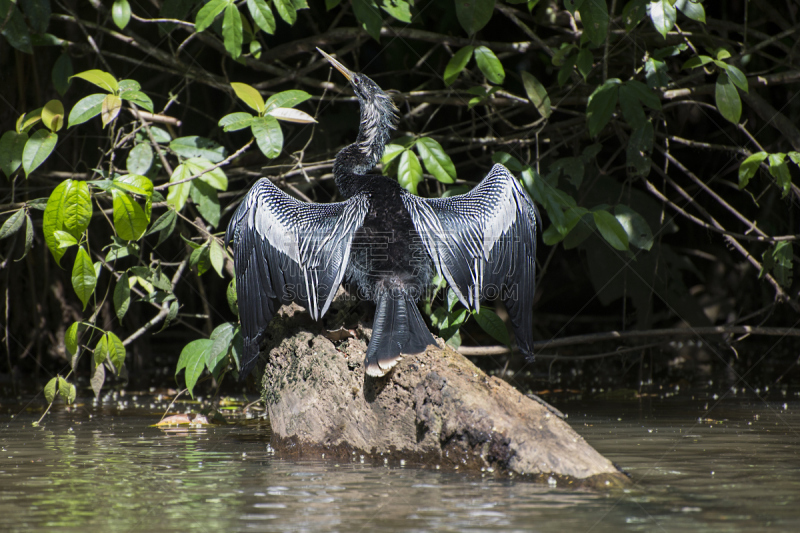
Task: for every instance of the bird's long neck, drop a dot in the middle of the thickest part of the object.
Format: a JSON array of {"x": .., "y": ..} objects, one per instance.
[{"x": 352, "y": 164}]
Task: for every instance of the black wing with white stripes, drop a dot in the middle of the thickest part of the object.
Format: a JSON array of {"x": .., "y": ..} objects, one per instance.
[
  {"x": 286, "y": 250},
  {"x": 484, "y": 244}
]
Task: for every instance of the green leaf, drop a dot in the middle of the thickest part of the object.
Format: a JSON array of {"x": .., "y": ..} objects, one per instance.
[
  {"x": 102, "y": 79},
  {"x": 217, "y": 255},
  {"x": 286, "y": 10},
  {"x": 27, "y": 120},
  {"x": 205, "y": 198},
  {"x": 66, "y": 390},
  {"x": 633, "y": 13},
  {"x": 215, "y": 178},
  {"x": 71, "y": 337},
  {"x": 138, "y": 98},
  {"x": 635, "y": 226},
  {"x": 584, "y": 62},
  {"x": 409, "y": 171},
  {"x": 50, "y": 390},
  {"x": 230, "y": 294},
  {"x": 269, "y": 136},
  {"x": 110, "y": 108},
  {"x": 738, "y": 78},
  {"x": 492, "y": 324},
  {"x": 205, "y": 17},
  {"x": 130, "y": 221},
  {"x": 474, "y": 14},
  {"x": 749, "y": 167},
  {"x": 692, "y": 9},
  {"x": 594, "y": 15},
  {"x": 644, "y": 94},
  {"x": 53, "y": 115},
  {"x": 611, "y": 230},
  {"x": 193, "y": 359},
  {"x": 727, "y": 99},
  {"x": 663, "y": 15},
  {"x": 86, "y": 109},
  {"x": 490, "y": 65},
  {"x": 84, "y": 278},
  {"x": 64, "y": 239},
  {"x": 232, "y": 31},
  {"x": 11, "y": 146},
  {"x": 140, "y": 159},
  {"x": 656, "y": 73},
  {"x": 122, "y": 296},
  {"x": 14, "y": 28},
  {"x": 53, "y": 219},
  {"x": 196, "y": 146},
  {"x": 399, "y": 9},
  {"x": 235, "y": 121},
  {"x": 369, "y": 17},
  {"x": 217, "y": 353},
  {"x": 178, "y": 194},
  {"x": 436, "y": 161},
  {"x": 782, "y": 269},
  {"x": 780, "y": 171},
  {"x": 250, "y": 96},
  {"x": 262, "y": 15},
  {"x": 602, "y": 103},
  {"x": 631, "y": 107},
  {"x": 77, "y": 208},
  {"x": 110, "y": 347},
  {"x": 390, "y": 153},
  {"x": 165, "y": 226},
  {"x": 12, "y": 224},
  {"x": 121, "y": 13},
  {"x": 286, "y": 99},
  {"x": 126, "y": 86},
  {"x": 457, "y": 63},
  {"x": 37, "y": 149},
  {"x": 38, "y": 13},
  {"x": 28, "y": 236}
]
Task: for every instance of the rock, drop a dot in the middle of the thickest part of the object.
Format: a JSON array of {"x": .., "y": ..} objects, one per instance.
[{"x": 435, "y": 409}]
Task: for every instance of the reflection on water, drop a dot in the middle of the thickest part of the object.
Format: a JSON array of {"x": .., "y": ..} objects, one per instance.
[{"x": 737, "y": 468}]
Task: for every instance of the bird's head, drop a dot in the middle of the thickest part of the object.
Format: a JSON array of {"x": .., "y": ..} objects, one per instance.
[{"x": 378, "y": 112}]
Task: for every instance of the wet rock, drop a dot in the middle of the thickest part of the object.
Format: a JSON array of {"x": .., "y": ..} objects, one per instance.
[{"x": 434, "y": 409}]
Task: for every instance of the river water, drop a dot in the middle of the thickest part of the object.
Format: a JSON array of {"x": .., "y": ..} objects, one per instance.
[{"x": 700, "y": 463}]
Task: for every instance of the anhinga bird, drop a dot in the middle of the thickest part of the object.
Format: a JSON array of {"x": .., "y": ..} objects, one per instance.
[{"x": 386, "y": 241}]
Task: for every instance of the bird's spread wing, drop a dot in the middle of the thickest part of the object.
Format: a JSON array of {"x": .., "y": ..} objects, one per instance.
[
  {"x": 286, "y": 250},
  {"x": 484, "y": 244}
]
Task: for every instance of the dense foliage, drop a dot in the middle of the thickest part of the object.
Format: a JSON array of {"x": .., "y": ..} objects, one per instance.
[{"x": 658, "y": 138}]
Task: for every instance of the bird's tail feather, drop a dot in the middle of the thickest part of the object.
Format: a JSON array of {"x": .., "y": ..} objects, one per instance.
[{"x": 398, "y": 329}]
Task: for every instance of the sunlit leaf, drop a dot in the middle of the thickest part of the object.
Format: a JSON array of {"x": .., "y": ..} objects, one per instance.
[
  {"x": 262, "y": 15},
  {"x": 84, "y": 278},
  {"x": 37, "y": 149},
  {"x": 288, "y": 114},
  {"x": 122, "y": 296},
  {"x": 138, "y": 98},
  {"x": 140, "y": 159},
  {"x": 489, "y": 65},
  {"x": 102, "y": 79},
  {"x": 53, "y": 115},
  {"x": 50, "y": 390},
  {"x": 109, "y": 110},
  {"x": 130, "y": 220},
  {"x": 368, "y": 15},
  {"x": 193, "y": 359},
  {"x": 216, "y": 177},
  {"x": 269, "y": 136},
  {"x": 121, "y": 13},
  {"x": 86, "y": 109},
  {"x": 635, "y": 226},
  {"x": 249, "y": 95},
  {"x": 409, "y": 171},
  {"x": 178, "y": 194},
  {"x": 611, "y": 230},
  {"x": 457, "y": 63},
  {"x": 436, "y": 161},
  {"x": 206, "y": 15},
  {"x": 663, "y": 15},
  {"x": 727, "y": 99},
  {"x": 749, "y": 167},
  {"x": 232, "y": 31},
  {"x": 235, "y": 121}
]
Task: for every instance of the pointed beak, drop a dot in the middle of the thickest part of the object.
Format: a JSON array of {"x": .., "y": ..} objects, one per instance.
[{"x": 338, "y": 66}]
